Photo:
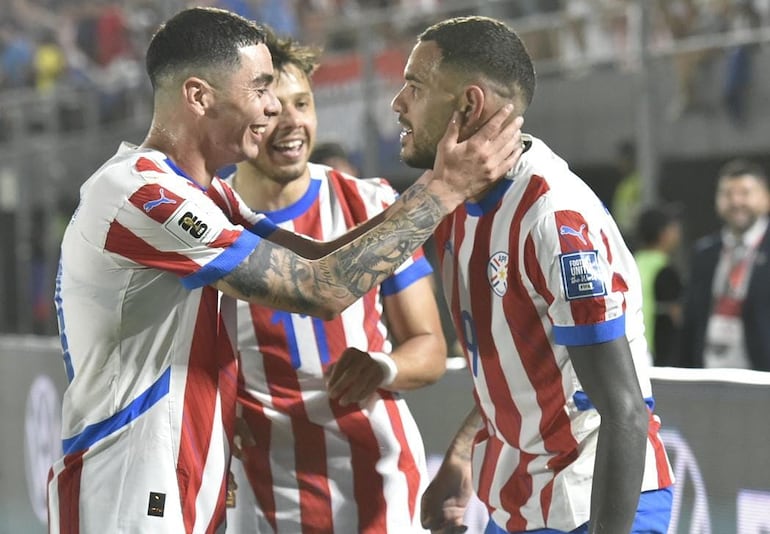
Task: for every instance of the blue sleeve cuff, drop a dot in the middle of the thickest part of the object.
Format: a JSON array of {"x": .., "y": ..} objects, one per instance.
[
  {"x": 589, "y": 334},
  {"x": 398, "y": 282},
  {"x": 264, "y": 227},
  {"x": 224, "y": 263}
]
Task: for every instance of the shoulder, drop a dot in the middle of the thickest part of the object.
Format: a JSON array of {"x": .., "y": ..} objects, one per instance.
[{"x": 348, "y": 186}]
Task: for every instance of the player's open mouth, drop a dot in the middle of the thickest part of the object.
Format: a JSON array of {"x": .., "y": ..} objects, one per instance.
[
  {"x": 289, "y": 148},
  {"x": 259, "y": 130},
  {"x": 405, "y": 132}
]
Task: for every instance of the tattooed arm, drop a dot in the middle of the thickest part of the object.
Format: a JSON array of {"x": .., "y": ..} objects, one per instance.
[{"x": 322, "y": 279}]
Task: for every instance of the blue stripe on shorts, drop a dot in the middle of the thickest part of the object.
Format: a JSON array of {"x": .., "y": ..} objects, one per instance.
[{"x": 652, "y": 517}]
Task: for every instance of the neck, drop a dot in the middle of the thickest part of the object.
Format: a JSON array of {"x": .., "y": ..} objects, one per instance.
[
  {"x": 183, "y": 151},
  {"x": 263, "y": 193}
]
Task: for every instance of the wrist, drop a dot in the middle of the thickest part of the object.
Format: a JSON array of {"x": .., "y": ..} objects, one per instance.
[
  {"x": 388, "y": 366},
  {"x": 447, "y": 197}
]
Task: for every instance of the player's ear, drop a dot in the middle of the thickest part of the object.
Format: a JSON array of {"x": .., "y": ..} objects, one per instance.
[
  {"x": 472, "y": 105},
  {"x": 198, "y": 94}
]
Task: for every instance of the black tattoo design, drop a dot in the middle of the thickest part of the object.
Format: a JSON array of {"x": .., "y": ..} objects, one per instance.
[{"x": 280, "y": 278}]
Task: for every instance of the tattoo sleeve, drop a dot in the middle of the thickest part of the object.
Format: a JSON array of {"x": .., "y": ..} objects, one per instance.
[{"x": 278, "y": 277}]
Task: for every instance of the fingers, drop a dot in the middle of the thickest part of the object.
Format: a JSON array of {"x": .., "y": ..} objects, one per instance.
[
  {"x": 243, "y": 437},
  {"x": 493, "y": 128},
  {"x": 452, "y": 130},
  {"x": 354, "y": 377}
]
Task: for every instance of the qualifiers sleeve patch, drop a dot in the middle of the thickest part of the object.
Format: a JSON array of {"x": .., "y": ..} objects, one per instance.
[
  {"x": 581, "y": 275},
  {"x": 188, "y": 224}
]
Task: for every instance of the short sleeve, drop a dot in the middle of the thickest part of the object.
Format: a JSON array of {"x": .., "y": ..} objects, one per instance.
[
  {"x": 568, "y": 260},
  {"x": 170, "y": 225}
]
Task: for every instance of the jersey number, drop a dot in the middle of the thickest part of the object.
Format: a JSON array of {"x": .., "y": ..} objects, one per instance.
[
  {"x": 284, "y": 318},
  {"x": 471, "y": 342}
]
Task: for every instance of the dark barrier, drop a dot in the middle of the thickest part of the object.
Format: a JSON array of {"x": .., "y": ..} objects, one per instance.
[{"x": 716, "y": 422}]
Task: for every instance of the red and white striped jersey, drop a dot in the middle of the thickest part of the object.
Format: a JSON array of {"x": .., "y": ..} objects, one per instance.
[
  {"x": 537, "y": 265},
  {"x": 319, "y": 466},
  {"x": 150, "y": 405}
]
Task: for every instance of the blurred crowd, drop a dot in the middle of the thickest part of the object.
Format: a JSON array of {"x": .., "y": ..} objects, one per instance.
[{"x": 96, "y": 44}]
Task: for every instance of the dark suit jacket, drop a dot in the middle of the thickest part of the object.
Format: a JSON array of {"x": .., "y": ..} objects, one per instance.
[{"x": 698, "y": 297}]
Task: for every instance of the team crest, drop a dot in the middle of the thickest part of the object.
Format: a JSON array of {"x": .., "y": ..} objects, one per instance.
[{"x": 497, "y": 273}]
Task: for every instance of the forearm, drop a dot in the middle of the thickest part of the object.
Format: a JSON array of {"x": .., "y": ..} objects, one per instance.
[
  {"x": 280, "y": 278},
  {"x": 618, "y": 474},
  {"x": 421, "y": 360},
  {"x": 462, "y": 444}
]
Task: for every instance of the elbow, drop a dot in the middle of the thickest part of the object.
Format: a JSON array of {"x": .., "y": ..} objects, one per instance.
[
  {"x": 434, "y": 373},
  {"x": 634, "y": 416}
]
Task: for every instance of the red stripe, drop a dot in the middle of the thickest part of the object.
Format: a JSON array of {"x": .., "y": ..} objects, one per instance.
[
  {"x": 488, "y": 466},
  {"x": 406, "y": 462},
  {"x": 661, "y": 463},
  {"x": 619, "y": 284},
  {"x": 541, "y": 366},
  {"x": 257, "y": 458},
  {"x": 589, "y": 310},
  {"x": 507, "y": 416},
  {"x": 144, "y": 164},
  {"x": 309, "y": 439},
  {"x": 353, "y": 209},
  {"x": 224, "y": 197},
  {"x": 225, "y": 239},
  {"x": 364, "y": 455},
  {"x": 121, "y": 240},
  {"x": 217, "y": 192},
  {"x": 518, "y": 485},
  {"x": 199, "y": 404},
  {"x": 152, "y": 192},
  {"x": 68, "y": 488}
]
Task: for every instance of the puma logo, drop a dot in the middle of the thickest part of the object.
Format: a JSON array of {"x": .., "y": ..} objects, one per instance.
[
  {"x": 568, "y": 230},
  {"x": 152, "y": 204}
]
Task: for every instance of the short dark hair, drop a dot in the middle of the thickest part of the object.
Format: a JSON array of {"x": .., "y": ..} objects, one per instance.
[
  {"x": 653, "y": 221},
  {"x": 487, "y": 46},
  {"x": 740, "y": 167},
  {"x": 199, "y": 38},
  {"x": 287, "y": 51}
]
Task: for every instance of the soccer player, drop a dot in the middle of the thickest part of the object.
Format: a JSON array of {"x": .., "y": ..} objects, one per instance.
[
  {"x": 147, "y": 343},
  {"x": 348, "y": 458},
  {"x": 547, "y": 300}
]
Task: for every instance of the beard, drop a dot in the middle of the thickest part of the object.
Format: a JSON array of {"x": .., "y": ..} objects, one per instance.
[{"x": 421, "y": 157}]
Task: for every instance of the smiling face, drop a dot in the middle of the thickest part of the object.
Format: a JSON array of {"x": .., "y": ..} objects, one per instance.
[
  {"x": 243, "y": 105},
  {"x": 424, "y": 105},
  {"x": 289, "y": 138},
  {"x": 740, "y": 201}
]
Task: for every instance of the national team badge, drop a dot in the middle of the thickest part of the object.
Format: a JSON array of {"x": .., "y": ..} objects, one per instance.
[
  {"x": 581, "y": 275},
  {"x": 497, "y": 273}
]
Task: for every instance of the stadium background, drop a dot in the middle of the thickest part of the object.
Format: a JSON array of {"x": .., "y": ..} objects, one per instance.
[{"x": 621, "y": 85}]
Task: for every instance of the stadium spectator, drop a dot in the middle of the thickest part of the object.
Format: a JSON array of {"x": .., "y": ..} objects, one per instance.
[
  {"x": 659, "y": 234},
  {"x": 727, "y": 303},
  {"x": 148, "y": 346},
  {"x": 690, "y": 18},
  {"x": 546, "y": 298},
  {"x": 627, "y": 197},
  {"x": 286, "y": 359}
]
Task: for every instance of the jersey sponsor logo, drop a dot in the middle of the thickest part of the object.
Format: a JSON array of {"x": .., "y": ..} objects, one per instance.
[
  {"x": 497, "y": 273},
  {"x": 188, "y": 224},
  {"x": 581, "y": 275},
  {"x": 193, "y": 225},
  {"x": 568, "y": 230},
  {"x": 152, "y": 204}
]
